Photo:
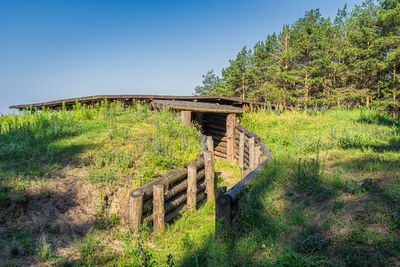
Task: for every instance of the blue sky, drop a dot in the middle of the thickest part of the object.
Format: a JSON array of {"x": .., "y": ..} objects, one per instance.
[{"x": 60, "y": 49}]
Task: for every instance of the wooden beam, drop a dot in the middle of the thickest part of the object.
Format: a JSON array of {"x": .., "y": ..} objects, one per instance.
[{"x": 230, "y": 134}]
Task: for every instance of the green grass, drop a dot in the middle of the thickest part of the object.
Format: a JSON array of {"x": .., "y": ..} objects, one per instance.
[
  {"x": 109, "y": 145},
  {"x": 111, "y": 141},
  {"x": 329, "y": 197}
]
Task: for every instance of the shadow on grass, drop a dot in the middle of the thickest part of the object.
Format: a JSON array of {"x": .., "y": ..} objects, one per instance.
[
  {"x": 378, "y": 118},
  {"x": 370, "y": 164},
  {"x": 28, "y": 214},
  {"x": 29, "y": 217},
  {"x": 393, "y": 145}
]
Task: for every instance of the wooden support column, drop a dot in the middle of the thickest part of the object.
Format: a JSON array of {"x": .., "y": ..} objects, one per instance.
[
  {"x": 210, "y": 144},
  {"x": 223, "y": 218},
  {"x": 220, "y": 191},
  {"x": 230, "y": 134},
  {"x": 252, "y": 154},
  {"x": 192, "y": 186},
  {"x": 257, "y": 155},
  {"x": 135, "y": 209},
  {"x": 210, "y": 174},
  {"x": 200, "y": 118},
  {"x": 241, "y": 150},
  {"x": 186, "y": 117},
  {"x": 158, "y": 208}
]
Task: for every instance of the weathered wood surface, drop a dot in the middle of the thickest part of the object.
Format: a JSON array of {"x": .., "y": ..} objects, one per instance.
[
  {"x": 257, "y": 140},
  {"x": 168, "y": 179},
  {"x": 210, "y": 174},
  {"x": 135, "y": 210},
  {"x": 197, "y": 106},
  {"x": 158, "y": 208},
  {"x": 252, "y": 159},
  {"x": 177, "y": 189},
  {"x": 241, "y": 151},
  {"x": 230, "y": 134},
  {"x": 186, "y": 117},
  {"x": 128, "y": 98},
  {"x": 172, "y": 208},
  {"x": 220, "y": 154},
  {"x": 192, "y": 186},
  {"x": 210, "y": 143}
]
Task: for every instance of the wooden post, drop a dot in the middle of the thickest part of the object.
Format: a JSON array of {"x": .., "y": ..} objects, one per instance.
[
  {"x": 210, "y": 174},
  {"x": 210, "y": 144},
  {"x": 230, "y": 134},
  {"x": 199, "y": 119},
  {"x": 158, "y": 208},
  {"x": 257, "y": 155},
  {"x": 252, "y": 160},
  {"x": 222, "y": 216},
  {"x": 135, "y": 209},
  {"x": 220, "y": 191},
  {"x": 186, "y": 117},
  {"x": 192, "y": 186},
  {"x": 241, "y": 150}
]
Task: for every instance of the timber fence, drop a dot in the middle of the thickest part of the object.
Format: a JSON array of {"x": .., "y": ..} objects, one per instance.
[
  {"x": 161, "y": 200},
  {"x": 252, "y": 155}
]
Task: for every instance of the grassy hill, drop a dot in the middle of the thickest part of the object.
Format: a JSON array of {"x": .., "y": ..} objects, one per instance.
[
  {"x": 330, "y": 196},
  {"x": 63, "y": 172}
]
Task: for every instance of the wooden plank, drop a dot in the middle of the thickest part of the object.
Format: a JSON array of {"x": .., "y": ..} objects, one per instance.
[
  {"x": 220, "y": 154},
  {"x": 220, "y": 149}
]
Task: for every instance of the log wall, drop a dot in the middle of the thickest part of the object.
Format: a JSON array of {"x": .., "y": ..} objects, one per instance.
[{"x": 160, "y": 201}]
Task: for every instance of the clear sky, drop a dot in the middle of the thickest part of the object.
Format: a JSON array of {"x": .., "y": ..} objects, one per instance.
[{"x": 59, "y": 49}]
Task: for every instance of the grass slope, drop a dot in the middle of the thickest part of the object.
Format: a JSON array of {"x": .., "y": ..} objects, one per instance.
[
  {"x": 64, "y": 173},
  {"x": 329, "y": 197}
]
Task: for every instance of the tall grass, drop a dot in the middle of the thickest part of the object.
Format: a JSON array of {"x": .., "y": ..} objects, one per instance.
[{"x": 111, "y": 139}]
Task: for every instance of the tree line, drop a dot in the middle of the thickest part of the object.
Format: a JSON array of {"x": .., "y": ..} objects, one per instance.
[{"x": 349, "y": 61}]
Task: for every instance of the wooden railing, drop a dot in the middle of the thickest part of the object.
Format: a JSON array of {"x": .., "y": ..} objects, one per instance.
[
  {"x": 252, "y": 155},
  {"x": 161, "y": 200}
]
